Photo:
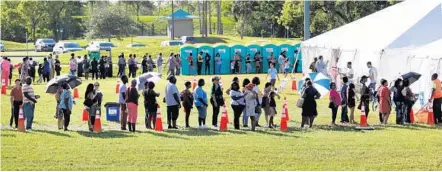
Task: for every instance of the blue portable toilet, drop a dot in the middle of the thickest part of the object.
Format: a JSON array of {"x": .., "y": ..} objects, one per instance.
[
  {"x": 298, "y": 55},
  {"x": 242, "y": 51},
  {"x": 266, "y": 52},
  {"x": 252, "y": 49},
  {"x": 224, "y": 52},
  {"x": 185, "y": 53},
  {"x": 206, "y": 49},
  {"x": 288, "y": 52}
]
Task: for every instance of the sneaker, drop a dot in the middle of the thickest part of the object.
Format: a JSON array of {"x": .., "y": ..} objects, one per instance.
[
  {"x": 66, "y": 129},
  {"x": 169, "y": 127},
  {"x": 270, "y": 126},
  {"x": 245, "y": 126}
]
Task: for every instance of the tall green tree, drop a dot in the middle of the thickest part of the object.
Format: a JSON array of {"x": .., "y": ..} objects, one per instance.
[
  {"x": 242, "y": 12},
  {"x": 34, "y": 12}
]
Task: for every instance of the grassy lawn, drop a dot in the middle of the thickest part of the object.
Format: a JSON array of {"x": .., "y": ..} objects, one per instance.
[{"x": 392, "y": 147}]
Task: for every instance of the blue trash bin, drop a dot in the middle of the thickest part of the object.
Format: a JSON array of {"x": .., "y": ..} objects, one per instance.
[{"x": 112, "y": 111}]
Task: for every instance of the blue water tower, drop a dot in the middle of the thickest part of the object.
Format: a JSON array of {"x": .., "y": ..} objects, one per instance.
[
  {"x": 267, "y": 51},
  {"x": 241, "y": 49},
  {"x": 224, "y": 52},
  {"x": 252, "y": 49},
  {"x": 185, "y": 53}
]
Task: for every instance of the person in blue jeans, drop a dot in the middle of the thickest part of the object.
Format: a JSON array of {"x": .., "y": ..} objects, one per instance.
[
  {"x": 200, "y": 99},
  {"x": 29, "y": 101}
]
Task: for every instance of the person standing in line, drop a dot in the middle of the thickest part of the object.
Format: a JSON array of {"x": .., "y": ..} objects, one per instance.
[
  {"x": 86, "y": 66},
  {"x": 218, "y": 64},
  {"x": 235, "y": 79},
  {"x": 11, "y": 69},
  {"x": 309, "y": 109},
  {"x": 351, "y": 95},
  {"x": 286, "y": 67},
  {"x": 237, "y": 103},
  {"x": 102, "y": 68},
  {"x": 281, "y": 61},
  {"x": 216, "y": 100},
  {"x": 207, "y": 60},
  {"x": 99, "y": 96},
  {"x": 348, "y": 72},
  {"x": 121, "y": 66},
  {"x": 245, "y": 116},
  {"x": 150, "y": 104},
  {"x": 130, "y": 63},
  {"x": 178, "y": 64},
  {"x": 132, "y": 105},
  {"x": 94, "y": 69},
  {"x": 335, "y": 101},
  {"x": 313, "y": 65},
  {"x": 272, "y": 106},
  {"x": 236, "y": 63},
  {"x": 6, "y": 70},
  {"x": 171, "y": 62},
  {"x": 79, "y": 66},
  {"x": 122, "y": 101},
  {"x": 344, "y": 98},
  {"x": 373, "y": 75},
  {"x": 144, "y": 64},
  {"x": 258, "y": 62},
  {"x": 90, "y": 104},
  {"x": 57, "y": 65},
  {"x": 73, "y": 65},
  {"x": 16, "y": 102},
  {"x": 191, "y": 64},
  {"x": 24, "y": 70},
  {"x": 399, "y": 101},
  {"x": 173, "y": 103},
  {"x": 29, "y": 101},
  {"x": 256, "y": 82},
  {"x": 187, "y": 101},
  {"x": 248, "y": 65},
  {"x": 201, "y": 103},
  {"x": 409, "y": 100},
  {"x": 58, "y": 111},
  {"x": 250, "y": 98},
  {"x": 199, "y": 62},
  {"x": 273, "y": 75},
  {"x": 321, "y": 66},
  {"x": 46, "y": 70},
  {"x": 266, "y": 102},
  {"x": 436, "y": 98},
  {"x": 271, "y": 59},
  {"x": 51, "y": 66},
  {"x": 365, "y": 97},
  {"x": 66, "y": 103},
  {"x": 32, "y": 65},
  {"x": 160, "y": 63},
  {"x": 107, "y": 66},
  {"x": 150, "y": 64},
  {"x": 384, "y": 101}
]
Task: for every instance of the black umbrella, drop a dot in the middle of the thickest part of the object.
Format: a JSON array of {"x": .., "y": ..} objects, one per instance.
[
  {"x": 412, "y": 77},
  {"x": 55, "y": 83}
]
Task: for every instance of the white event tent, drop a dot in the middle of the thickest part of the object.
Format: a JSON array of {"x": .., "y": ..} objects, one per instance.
[{"x": 386, "y": 38}]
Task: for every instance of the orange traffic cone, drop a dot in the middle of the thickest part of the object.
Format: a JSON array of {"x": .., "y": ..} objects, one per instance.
[
  {"x": 283, "y": 124},
  {"x": 363, "y": 123},
  {"x": 21, "y": 120},
  {"x": 224, "y": 120},
  {"x": 117, "y": 89},
  {"x": 85, "y": 115},
  {"x": 430, "y": 120},
  {"x": 294, "y": 86},
  {"x": 159, "y": 122},
  {"x": 75, "y": 93},
  {"x": 411, "y": 116},
  {"x": 194, "y": 84},
  {"x": 97, "y": 124},
  {"x": 285, "y": 108},
  {"x": 3, "y": 89}
]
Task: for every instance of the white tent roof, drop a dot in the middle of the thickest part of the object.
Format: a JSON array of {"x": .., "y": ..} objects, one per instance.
[
  {"x": 411, "y": 23},
  {"x": 432, "y": 50}
]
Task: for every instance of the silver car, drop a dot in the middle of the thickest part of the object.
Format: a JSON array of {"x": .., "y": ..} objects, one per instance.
[{"x": 44, "y": 45}]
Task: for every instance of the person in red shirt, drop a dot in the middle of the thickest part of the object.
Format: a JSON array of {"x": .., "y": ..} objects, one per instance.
[
  {"x": 191, "y": 65},
  {"x": 16, "y": 102}
]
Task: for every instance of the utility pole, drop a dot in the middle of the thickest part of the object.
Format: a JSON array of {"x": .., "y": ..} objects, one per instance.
[
  {"x": 306, "y": 19},
  {"x": 172, "y": 32}
]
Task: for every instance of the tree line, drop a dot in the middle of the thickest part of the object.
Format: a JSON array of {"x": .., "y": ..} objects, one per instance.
[{"x": 104, "y": 19}]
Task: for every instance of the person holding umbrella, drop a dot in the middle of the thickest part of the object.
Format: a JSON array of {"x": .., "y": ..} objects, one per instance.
[{"x": 66, "y": 103}]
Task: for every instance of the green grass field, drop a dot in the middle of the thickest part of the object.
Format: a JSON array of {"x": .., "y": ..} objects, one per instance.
[{"x": 391, "y": 147}]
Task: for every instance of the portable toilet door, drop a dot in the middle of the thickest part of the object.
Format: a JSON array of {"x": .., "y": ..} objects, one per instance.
[
  {"x": 241, "y": 49},
  {"x": 288, "y": 52},
  {"x": 207, "y": 50},
  {"x": 224, "y": 52},
  {"x": 252, "y": 50},
  {"x": 298, "y": 56},
  {"x": 267, "y": 51},
  {"x": 185, "y": 54}
]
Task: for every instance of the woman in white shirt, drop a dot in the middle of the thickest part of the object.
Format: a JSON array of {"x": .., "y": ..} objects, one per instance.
[{"x": 237, "y": 103}]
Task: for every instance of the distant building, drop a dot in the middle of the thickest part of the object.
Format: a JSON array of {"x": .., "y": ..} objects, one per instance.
[{"x": 183, "y": 23}]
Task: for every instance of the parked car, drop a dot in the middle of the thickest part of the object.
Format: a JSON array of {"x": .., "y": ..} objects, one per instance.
[
  {"x": 135, "y": 45},
  {"x": 188, "y": 39},
  {"x": 102, "y": 45},
  {"x": 44, "y": 45},
  {"x": 171, "y": 43},
  {"x": 64, "y": 47},
  {"x": 2, "y": 47}
]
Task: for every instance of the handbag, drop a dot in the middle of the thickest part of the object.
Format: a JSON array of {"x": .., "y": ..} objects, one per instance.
[
  {"x": 258, "y": 109},
  {"x": 300, "y": 102}
]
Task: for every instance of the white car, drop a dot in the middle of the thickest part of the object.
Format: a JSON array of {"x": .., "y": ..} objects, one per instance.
[
  {"x": 101, "y": 45},
  {"x": 44, "y": 45},
  {"x": 64, "y": 47},
  {"x": 171, "y": 43},
  {"x": 2, "y": 47}
]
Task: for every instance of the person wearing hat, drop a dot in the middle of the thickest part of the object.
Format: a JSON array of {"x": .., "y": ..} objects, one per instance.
[
  {"x": 216, "y": 100},
  {"x": 250, "y": 98},
  {"x": 132, "y": 105},
  {"x": 200, "y": 100}
]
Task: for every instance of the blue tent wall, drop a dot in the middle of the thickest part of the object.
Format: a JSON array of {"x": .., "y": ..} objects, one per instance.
[
  {"x": 243, "y": 51},
  {"x": 224, "y": 52},
  {"x": 207, "y": 50},
  {"x": 289, "y": 52},
  {"x": 267, "y": 49},
  {"x": 252, "y": 49},
  {"x": 299, "y": 66},
  {"x": 185, "y": 52}
]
